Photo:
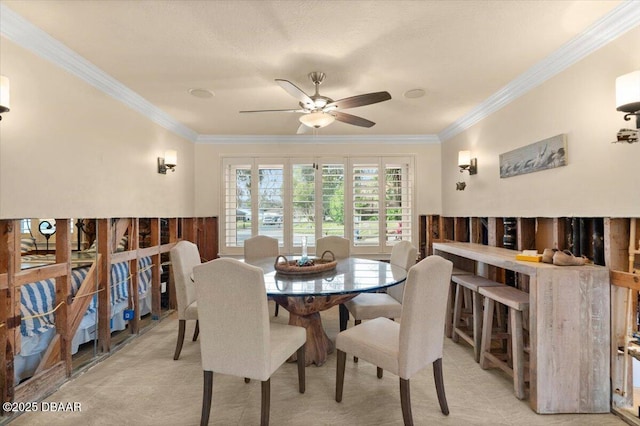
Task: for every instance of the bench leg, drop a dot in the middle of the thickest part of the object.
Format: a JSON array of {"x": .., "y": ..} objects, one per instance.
[
  {"x": 468, "y": 304},
  {"x": 448, "y": 325},
  {"x": 457, "y": 312},
  {"x": 487, "y": 326},
  {"x": 517, "y": 351},
  {"x": 477, "y": 324}
]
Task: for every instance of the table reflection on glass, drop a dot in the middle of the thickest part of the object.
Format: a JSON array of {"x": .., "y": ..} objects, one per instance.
[{"x": 305, "y": 296}]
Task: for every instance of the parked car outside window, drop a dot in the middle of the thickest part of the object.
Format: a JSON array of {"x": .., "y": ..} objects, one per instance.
[
  {"x": 272, "y": 218},
  {"x": 243, "y": 215}
]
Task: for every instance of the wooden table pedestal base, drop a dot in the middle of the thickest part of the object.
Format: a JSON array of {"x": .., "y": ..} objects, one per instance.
[{"x": 305, "y": 312}]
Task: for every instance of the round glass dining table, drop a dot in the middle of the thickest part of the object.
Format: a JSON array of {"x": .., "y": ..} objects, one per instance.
[{"x": 306, "y": 295}]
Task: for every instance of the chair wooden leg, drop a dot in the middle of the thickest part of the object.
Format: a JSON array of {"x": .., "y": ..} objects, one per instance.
[
  {"x": 301, "y": 369},
  {"x": 342, "y": 360},
  {"x": 457, "y": 312},
  {"x": 356, "y": 322},
  {"x": 207, "y": 392},
  {"x": 405, "y": 402},
  {"x": 344, "y": 317},
  {"x": 196, "y": 331},
  {"x": 247, "y": 380},
  {"x": 380, "y": 370},
  {"x": 181, "y": 327},
  {"x": 437, "y": 376},
  {"x": 277, "y": 310},
  {"x": 266, "y": 401}
]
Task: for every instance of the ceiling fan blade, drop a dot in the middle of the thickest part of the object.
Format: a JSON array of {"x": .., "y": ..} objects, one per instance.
[
  {"x": 295, "y": 91},
  {"x": 277, "y": 110},
  {"x": 302, "y": 130},
  {"x": 360, "y": 100},
  {"x": 352, "y": 119}
]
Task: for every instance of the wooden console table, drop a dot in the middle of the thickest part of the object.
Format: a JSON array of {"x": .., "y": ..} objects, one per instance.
[{"x": 569, "y": 329}]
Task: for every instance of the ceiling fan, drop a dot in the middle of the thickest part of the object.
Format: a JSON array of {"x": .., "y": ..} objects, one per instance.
[{"x": 320, "y": 111}]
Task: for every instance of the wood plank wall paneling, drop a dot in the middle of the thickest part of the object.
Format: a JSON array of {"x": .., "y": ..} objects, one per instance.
[
  {"x": 495, "y": 227},
  {"x": 526, "y": 233},
  {"x": 171, "y": 285},
  {"x": 63, "y": 290},
  {"x": 461, "y": 229},
  {"x": 616, "y": 254},
  {"x": 155, "y": 276},
  {"x": 56, "y": 365},
  {"x": 134, "y": 296},
  {"x": 475, "y": 230},
  {"x": 432, "y": 233},
  {"x": 41, "y": 384},
  {"x": 544, "y": 236},
  {"x": 104, "y": 245},
  {"x": 6, "y": 304},
  {"x": 209, "y": 240}
]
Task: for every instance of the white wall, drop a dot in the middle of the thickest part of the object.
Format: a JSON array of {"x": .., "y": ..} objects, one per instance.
[
  {"x": 209, "y": 160},
  {"x": 69, "y": 150},
  {"x": 601, "y": 178}
]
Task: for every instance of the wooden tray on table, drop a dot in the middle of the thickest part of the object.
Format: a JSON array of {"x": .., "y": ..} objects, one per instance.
[{"x": 313, "y": 265}]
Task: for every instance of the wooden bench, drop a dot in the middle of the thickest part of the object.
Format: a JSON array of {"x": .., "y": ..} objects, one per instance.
[
  {"x": 473, "y": 283},
  {"x": 448, "y": 325},
  {"x": 516, "y": 301}
]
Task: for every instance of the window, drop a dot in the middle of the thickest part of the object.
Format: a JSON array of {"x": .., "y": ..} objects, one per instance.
[
  {"x": 25, "y": 226},
  {"x": 332, "y": 190},
  {"x": 304, "y": 203},
  {"x": 398, "y": 200},
  {"x": 271, "y": 201},
  {"x": 368, "y": 200},
  {"x": 366, "y": 204},
  {"x": 238, "y": 212}
]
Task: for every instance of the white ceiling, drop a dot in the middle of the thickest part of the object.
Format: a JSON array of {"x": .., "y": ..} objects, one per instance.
[{"x": 460, "y": 52}]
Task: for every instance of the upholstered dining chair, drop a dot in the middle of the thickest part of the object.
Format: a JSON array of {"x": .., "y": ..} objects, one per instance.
[
  {"x": 184, "y": 256},
  {"x": 366, "y": 306},
  {"x": 339, "y": 246},
  {"x": 237, "y": 337},
  {"x": 407, "y": 347},
  {"x": 261, "y": 246}
]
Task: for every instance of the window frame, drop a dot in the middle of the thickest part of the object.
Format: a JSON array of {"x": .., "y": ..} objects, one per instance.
[{"x": 289, "y": 246}]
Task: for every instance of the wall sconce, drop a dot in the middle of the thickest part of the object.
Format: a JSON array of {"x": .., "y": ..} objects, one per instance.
[
  {"x": 465, "y": 162},
  {"x": 4, "y": 95},
  {"x": 628, "y": 95},
  {"x": 169, "y": 161}
]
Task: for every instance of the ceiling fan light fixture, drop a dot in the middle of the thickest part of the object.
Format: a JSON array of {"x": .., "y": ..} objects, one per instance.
[
  {"x": 320, "y": 102},
  {"x": 317, "y": 119},
  {"x": 320, "y": 111}
]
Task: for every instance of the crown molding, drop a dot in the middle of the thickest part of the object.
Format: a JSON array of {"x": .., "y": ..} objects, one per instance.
[
  {"x": 315, "y": 139},
  {"x": 620, "y": 20},
  {"x": 17, "y": 29}
]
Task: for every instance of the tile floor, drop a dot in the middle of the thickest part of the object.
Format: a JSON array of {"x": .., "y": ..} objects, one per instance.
[{"x": 141, "y": 384}]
